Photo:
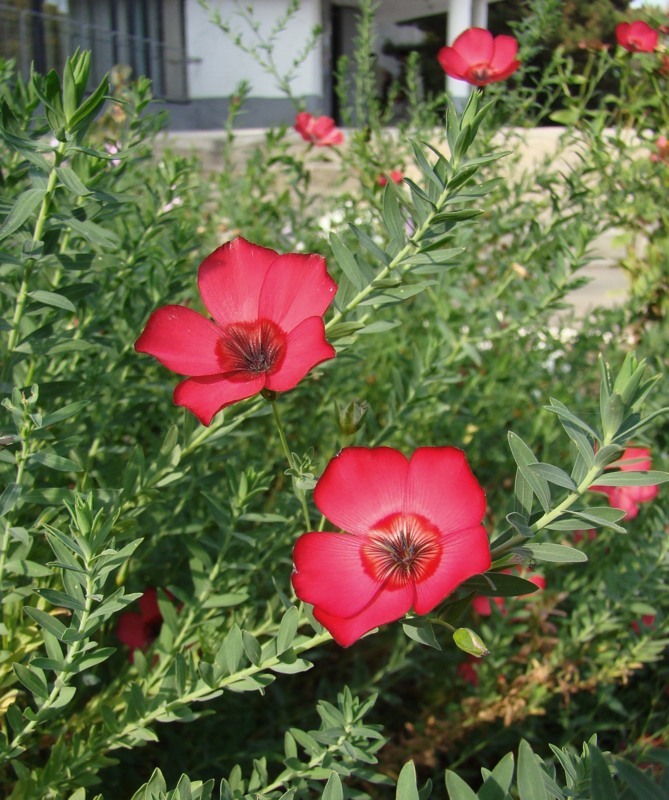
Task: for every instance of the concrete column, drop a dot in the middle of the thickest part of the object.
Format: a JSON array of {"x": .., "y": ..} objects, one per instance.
[
  {"x": 480, "y": 14},
  {"x": 459, "y": 18}
]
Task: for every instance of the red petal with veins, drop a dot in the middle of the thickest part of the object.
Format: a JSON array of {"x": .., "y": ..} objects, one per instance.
[
  {"x": 182, "y": 340},
  {"x": 208, "y": 395}
]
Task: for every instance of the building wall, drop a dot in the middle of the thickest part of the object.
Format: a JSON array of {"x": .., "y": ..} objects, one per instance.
[{"x": 216, "y": 65}]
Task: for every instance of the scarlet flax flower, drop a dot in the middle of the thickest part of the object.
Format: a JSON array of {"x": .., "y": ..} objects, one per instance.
[
  {"x": 637, "y": 37},
  {"x": 628, "y": 498},
  {"x": 479, "y": 58},
  {"x": 267, "y": 330},
  {"x": 138, "y": 631},
  {"x": 394, "y": 175},
  {"x": 413, "y": 533},
  {"x": 320, "y": 131},
  {"x": 662, "y": 154}
]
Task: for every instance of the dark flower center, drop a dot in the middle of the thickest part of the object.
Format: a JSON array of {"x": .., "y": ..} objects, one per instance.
[
  {"x": 401, "y": 549},
  {"x": 481, "y": 72},
  {"x": 248, "y": 349}
]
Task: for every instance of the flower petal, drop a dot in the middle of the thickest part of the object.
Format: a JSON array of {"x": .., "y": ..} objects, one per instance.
[
  {"x": 389, "y": 605},
  {"x": 131, "y": 631},
  {"x": 206, "y": 396},
  {"x": 182, "y": 340},
  {"x": 148, "y": 606},
  {"x": 296, "y": 288},
  {"x": 464, "y": 553},
  {"x": 475, "y": 46},
  {"x": 362, "y": 486},
  {"x": 452, "y": 63},
  {"x": 329, "y": 573},
  {"x": 306, "y": 346},
  {"x": 442, "y": 488},
  {"x": 231, "y": 278},
  {"x": 505, "y": 49}
]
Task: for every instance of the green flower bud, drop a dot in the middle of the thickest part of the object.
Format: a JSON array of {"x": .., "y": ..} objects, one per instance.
[
  {"x": 470, "y": 642},
  {"x": 350, "y": 416}
]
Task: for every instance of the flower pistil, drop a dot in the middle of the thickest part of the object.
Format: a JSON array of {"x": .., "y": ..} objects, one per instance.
[
  {"x": 247, "y": 349},
  {"x": 401, "y": 550}
]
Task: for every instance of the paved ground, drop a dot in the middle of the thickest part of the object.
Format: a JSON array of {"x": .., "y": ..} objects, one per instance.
[{"x": 608, "y": 283}]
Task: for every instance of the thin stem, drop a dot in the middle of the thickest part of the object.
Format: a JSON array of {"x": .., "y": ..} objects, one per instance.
[
  {"x": 38, "y": 232},
  {"x": 299, "y": 493},
  {"x": 593, "y": 473},
  {"x": 64, "y": 676}
]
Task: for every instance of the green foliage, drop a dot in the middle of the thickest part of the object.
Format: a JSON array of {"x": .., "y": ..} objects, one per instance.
[{"x": 447, "y": 331}]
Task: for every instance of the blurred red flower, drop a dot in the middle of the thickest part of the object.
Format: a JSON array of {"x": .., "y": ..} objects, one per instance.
[
  {"x": 662, "y": 153},
  {"x": 395, "y": 176},
  {"x": 467, "y": 671},
  {"x": 267, "y": 330},
  {"x": 478, "y": 57},
  {"x": 320, "y": 131},
  {"x": 637, "y": 37},
  {"x": 413, "y": 534},
  {"x": 647, "y": 620},
  {"x": 628, "y": 498},
  {"x": 138, "y": 631}
]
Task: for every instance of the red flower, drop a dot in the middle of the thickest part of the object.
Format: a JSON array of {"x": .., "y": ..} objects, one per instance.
[
  {"x": 468, "y": 671},
  {"x": 662, "y": 153},
  {"x": 320, "y": 131},
  {"x": 628, "y": 498},
  {"x": 267, "y": 331},
  {"x": 478, "y": 57},
  {"x": 580, "y": 535},
  {"x": 647, "y": 620},
  {"x": 637, "y": 37},
  {"x": 395, "y": 176},
  {"x": 414, "y": 533},
  {"x": 138, "y": 631}
]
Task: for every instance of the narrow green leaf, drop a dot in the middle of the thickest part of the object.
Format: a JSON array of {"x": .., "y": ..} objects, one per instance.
[
  {"x": 346, "y": 261},
  {"x": 9, "y": 498},
  {"x": 629, "y": 478},
  {"x": 556, "y": 553},
  {"x": 53, "y": 461},
  {"x": 72, "y": 182},
  {"x": 457, "y": 789},
  {"x": 392, "y": 215},
  {"x": 232, "y": 650},
  {"x": 554, "y": 475},
  {"x": 67, "y": 411},
  {"x": 524, "y": 457},
  {"x": 24, "y": 206},
  {"x": 52, "y": 299},
  {"x": 641, "y": 786},
  {"x": 370, "y": 245},
  {"x": 406, "y": 783},
  {"x": 91, "y": 231},
  {"x": 421, "y": 631},
  {"x": 32, "y": 678},
  {"x": 252, "y": 648},
  {"x": 287, "y": 630},
  {"x": 46, "y": 621},
  {"x": 601, "y": 782},
  {"x": 530, "y": 775},
  {"x": 333, "y": 788},
  {"x": 57, "y": 598}
]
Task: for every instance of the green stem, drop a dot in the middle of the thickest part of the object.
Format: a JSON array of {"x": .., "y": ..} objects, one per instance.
[
  {"x": 38, "y": 232},
  {"x": 64, "y": 676},
  {"x": 299, "y": 493},
  {"x": 593, "y": 473}
]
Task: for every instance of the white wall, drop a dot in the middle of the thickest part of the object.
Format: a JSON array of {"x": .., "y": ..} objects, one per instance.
[{"x": 221, "y": 65}]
